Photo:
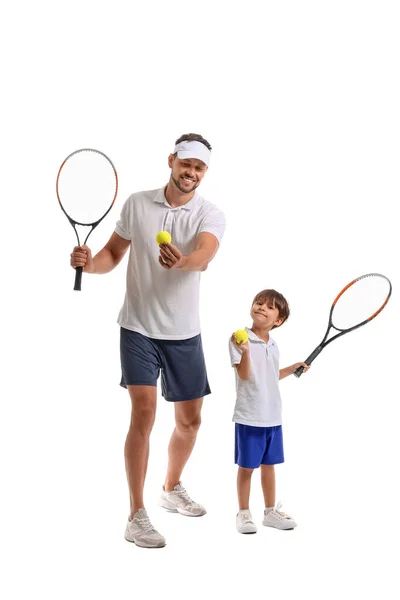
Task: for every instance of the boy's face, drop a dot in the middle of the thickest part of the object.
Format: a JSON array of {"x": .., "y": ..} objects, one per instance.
[{"x": 265, "y": 314}]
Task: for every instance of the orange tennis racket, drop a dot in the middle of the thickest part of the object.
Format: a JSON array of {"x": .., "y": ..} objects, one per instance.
[
  {"x": 356, "y": 305},
  {"x": 87, "y": 186}
]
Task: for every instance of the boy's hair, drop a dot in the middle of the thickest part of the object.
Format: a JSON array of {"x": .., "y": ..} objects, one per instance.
[
  {"x": 193, "y": 137},
  {"x": 277, "y": 300}
]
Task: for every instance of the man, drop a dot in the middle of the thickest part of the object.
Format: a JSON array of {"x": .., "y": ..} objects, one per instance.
[{"x": 160, "y": 327}]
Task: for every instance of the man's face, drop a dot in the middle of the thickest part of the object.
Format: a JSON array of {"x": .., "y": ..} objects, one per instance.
[{"x": 186, "y": 173}]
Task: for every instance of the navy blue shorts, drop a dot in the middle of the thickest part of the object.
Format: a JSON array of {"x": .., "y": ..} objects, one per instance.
[
  {"x": 181, "y": 362},
  {"x": 255, "y": 446}
]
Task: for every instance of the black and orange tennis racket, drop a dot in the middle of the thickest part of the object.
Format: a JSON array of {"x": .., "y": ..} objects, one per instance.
[
  {"x": 87, "y": 186},
  {"x": 356, "y": 305}
]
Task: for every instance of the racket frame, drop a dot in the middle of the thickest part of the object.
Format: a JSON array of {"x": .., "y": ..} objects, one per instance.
[
  {"x": 298, "y": 372},
  {"x": 79, "y": 270}
]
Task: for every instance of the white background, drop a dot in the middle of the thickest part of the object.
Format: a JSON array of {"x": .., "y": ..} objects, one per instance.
[{"x": 300, "y": 101}]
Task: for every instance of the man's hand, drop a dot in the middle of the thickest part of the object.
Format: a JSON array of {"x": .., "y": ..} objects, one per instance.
[
  {"x": 170, "y": 257},
  {"x": 206, "y": 246},
  {"x": 81, "y": 256}
]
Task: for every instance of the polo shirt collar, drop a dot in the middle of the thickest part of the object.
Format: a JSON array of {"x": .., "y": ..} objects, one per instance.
[
  {"x": 254, "y": 338},
  {"x": 161, "y": 199}
]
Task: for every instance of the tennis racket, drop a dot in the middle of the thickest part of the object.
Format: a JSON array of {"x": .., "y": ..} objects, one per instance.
[
  {"x": 87, "y": 186},
  {"x": 356, "y": 305}
]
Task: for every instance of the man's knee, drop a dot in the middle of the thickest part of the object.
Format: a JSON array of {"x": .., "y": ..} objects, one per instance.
[
  {"x": 189, "y": 426},
  {"x": 143, "y": 411}
]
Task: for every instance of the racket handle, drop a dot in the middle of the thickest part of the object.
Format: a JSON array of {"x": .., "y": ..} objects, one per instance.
[
  {"x": 298, "y": 372},
  {"x": 78, "y": 278}
]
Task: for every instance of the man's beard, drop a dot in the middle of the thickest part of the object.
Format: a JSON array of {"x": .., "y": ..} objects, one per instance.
[{"x": 178, "y": 185}]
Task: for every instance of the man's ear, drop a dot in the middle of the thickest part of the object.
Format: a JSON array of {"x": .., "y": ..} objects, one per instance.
[{"x": 171, "y": 159}]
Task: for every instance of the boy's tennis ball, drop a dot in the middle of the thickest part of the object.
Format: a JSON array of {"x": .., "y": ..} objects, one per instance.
[
  {"x": 163, "y": 237},
  {"x": 241, "y": 336}
]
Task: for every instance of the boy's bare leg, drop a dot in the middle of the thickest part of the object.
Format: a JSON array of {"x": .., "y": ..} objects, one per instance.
[
  {"x": 268, "y": 484},
  {"x": 243, "y": 487}
]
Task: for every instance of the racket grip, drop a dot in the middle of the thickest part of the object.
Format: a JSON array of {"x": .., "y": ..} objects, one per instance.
[
  {"x": 298, "y": 372},
  {"x": 78, "y": 278}
]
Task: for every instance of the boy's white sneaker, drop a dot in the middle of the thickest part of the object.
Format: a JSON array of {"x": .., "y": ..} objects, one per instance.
[
  {"x": 278, "y": 519},
  {"x": 142, "y": 533},
  {"x": 178, "y": 501},
  {"x": 244, "y": 522}
]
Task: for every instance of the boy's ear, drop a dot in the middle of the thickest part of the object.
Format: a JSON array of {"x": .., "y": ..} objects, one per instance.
[{"x": 278, "y": 322}]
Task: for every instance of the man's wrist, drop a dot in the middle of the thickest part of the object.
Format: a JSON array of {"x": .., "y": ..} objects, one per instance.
[{"x": 184, "y": 261}]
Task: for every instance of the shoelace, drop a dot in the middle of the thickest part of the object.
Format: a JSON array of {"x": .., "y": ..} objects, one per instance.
[
  {"x": 282, "y": 514},
  {"x": 183, "y": 494},
  {"x": 145, "y": 524},
  {"x": 245, "y": 517}
]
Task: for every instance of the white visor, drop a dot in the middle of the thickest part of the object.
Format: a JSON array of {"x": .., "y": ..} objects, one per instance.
[{"x": 193, "y": 150}]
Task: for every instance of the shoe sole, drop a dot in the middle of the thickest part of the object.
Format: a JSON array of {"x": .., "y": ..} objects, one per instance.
[
  {"x": 280, "y": 528},
  {"x": 247, "y": 532},
  {"x": 168, "y": 507},
  {"x": 160, "y": 545}
]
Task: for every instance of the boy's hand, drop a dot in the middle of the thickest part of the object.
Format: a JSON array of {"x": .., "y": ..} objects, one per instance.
[
  {"x": 243, "y": 347},
  {"x": 300, "y": 364}
]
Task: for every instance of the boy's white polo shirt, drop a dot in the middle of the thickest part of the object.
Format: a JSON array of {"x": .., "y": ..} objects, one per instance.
[
  {"x": 258, "y": 400},
  {"x": 161, "y": 303}
]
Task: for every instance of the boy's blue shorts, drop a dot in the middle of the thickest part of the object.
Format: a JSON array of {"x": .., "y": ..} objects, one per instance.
[
  {"x": 181, "y": 363},
  {"x": 255, "y": 446}
]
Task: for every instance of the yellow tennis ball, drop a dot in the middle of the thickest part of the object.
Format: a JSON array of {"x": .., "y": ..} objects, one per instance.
[
  {"x": 241, "y": 336},
  {"x": 163, "y": 237}
]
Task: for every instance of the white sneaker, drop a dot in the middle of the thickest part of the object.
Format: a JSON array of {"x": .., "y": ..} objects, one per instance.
[
  {"x": 142, "y": 533},
  {"x": 178, "y": 501},
  {"x": 278, "y": 519},
  {"x": 244, "y": 522}
]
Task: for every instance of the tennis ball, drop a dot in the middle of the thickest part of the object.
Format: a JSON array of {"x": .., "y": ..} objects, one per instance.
[
  {"x": 241, "y": 336},
  {"x": 163, "y": 237}
]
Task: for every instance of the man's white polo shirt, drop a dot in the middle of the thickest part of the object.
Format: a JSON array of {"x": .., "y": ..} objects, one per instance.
[
  {"x": 161, "y": 303},
  {"x": 258, "y": 400}
]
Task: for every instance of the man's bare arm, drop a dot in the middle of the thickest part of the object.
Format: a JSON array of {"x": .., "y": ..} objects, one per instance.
[
  {"x": 105, "y": 260},
  {"x": 205, "y": 249}
]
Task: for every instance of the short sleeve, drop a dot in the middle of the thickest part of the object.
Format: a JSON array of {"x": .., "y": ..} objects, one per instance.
[
  {"x": 124, "y": 225},
  {"x": 235, "y": 354},
  {"x": 214, "y": 222}
]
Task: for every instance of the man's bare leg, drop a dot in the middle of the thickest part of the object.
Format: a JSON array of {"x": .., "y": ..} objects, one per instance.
[
  {"x": 187, "y": 423},
  {"x": 144, "y": 402}
]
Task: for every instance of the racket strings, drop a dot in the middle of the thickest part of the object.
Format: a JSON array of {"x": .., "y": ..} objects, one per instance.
[
  {"x": 360, "y": 301},
  {"x": 87, "y": 186}
]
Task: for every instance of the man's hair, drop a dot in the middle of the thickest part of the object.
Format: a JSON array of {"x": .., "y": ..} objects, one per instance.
[
  {"x": 277, "y": 300},
  {"x": 193, "y": 137}
]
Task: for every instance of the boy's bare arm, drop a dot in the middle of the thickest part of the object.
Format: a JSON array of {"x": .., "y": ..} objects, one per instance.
[
  {"x": 243, "y": 368},
  {"x": 290, "y": 370}
]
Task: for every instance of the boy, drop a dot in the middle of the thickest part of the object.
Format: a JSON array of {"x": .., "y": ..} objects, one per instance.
[{"x": 258, "y": 413}]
